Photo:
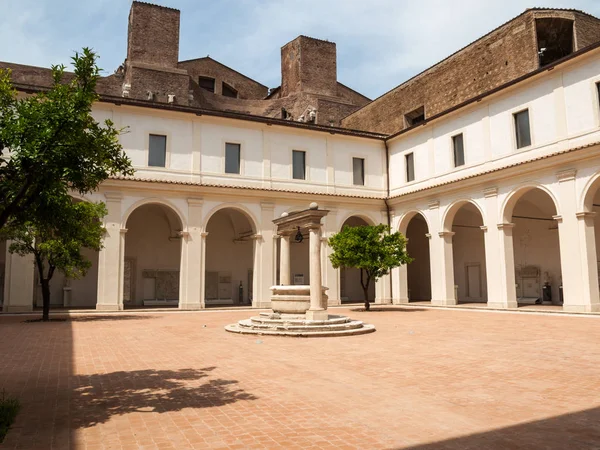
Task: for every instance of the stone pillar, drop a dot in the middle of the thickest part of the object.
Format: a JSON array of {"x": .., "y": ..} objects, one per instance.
[
  {"x": 191, "y": 271},
  {"x": 438, "y": 291},
  {"x": 260, "y": 298},
  {"x": 448, "y": 296},
  {"x": 203, "y": 237},
  {"x": 284, "y": 259},
  {"x": 110, "y": 258},
  {"x": 383, "y": 291},
  {"x": 265, "y": 277},
  {"x": 506, "y": 265},
  {"x": 317, "y": 310},
  {"x": 589, "y": 263},
  {"x": 497, "y": 294},
  {"x": 578, "y": 292},
  {"x": 18, "y": 282},
  {"x": 331, "y": 275}
]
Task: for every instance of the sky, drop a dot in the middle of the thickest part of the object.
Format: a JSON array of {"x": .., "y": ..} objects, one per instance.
[{"x": 380, "y": 43}]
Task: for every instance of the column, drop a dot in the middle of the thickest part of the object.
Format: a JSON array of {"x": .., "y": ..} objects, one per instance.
[
  {"x": 383, "y": 291},
  {"x": 18, "y": 282},
  {"x": 332, "y": 276},
  {"x": 506, "y": 256},
  {"x": 265, "y": 277},
  {"x": 447, "y": 292},
  {"x": 203, "y": 237},
  {"x": 284, "y": 258},
  {"x": 578, "y": 293},
  {"x": 499, "y": 293},
  {"x": 191, "y": 271},
  {"x": 589, "y": 263},
  {"x": 438, "y": 293},
  {"x": 110, "y": 258},
  {"x": 317, "y": 310}
]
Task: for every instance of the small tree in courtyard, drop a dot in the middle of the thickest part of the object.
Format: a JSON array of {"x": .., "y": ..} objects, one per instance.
[
  {"x": 49, "y": 141},
  {"x": 55, "y": 236},
  {"x": 370, "y": 248}
]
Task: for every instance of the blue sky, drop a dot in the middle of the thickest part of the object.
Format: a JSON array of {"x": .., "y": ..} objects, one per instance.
[{"x": 380, "y": 43}]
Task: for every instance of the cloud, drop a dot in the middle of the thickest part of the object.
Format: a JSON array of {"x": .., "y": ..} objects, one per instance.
[{"x": 380, "y": 43}]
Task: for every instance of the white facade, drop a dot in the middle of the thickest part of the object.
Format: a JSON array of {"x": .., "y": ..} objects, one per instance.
[{"x": 496, "y": 228}]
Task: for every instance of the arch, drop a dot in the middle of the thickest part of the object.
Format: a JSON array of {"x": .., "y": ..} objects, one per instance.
[
  {"x": 408, "y": 216},
  {"x": 154, "y": 201},
  {"x": 513, "y": 197},
  {"x": 586, "y": 202},
  {"x": 453, "y": 208},
  {"x": 361, "y": 215},
  {"x": 245, "y": 211}
]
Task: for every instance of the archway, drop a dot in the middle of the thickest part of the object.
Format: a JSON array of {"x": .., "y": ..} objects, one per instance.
[
  {"x": 351, "y": 290},
  {"x": 152, "y": 257},
  {"x": 229, "y": 262},
  {"x": 418, "y": 272},
  {"x": 72, "y": 292},
  {"x": 536, "y": 247},
  {"x": 465, "y": 220}
]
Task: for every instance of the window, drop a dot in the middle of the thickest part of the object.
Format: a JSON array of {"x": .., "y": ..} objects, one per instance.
[
  {"x": 207, "y": 83},
  {"x": 298, "y": 165},
  {"x": 232, "y": 158},
  {"x": 522, "y": 128},
  {"x": 410, "y": 167},
  {"x": 554, "y": 39},
  {"x": 157, "y": 150},
  {"x": 358, "y": 171},
  {"x": 459, "y": 150},
  {"x": 414, "y": 117},
  {"x": 598, "y": 91},
  {"x": 228, "y": 91}
]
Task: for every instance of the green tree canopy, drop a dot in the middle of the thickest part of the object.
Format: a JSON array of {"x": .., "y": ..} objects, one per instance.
[
  {"x": 50, "y": 143},
  {"x": 370, "y": 248}
]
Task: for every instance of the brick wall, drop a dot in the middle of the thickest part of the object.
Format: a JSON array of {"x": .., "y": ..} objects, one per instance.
[
  {"x": 153, "y": 35},
  {"x": 503, "y": 55},
  {"x": 208, "y": 67}
]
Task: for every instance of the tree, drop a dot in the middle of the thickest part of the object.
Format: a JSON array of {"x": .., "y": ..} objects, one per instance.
[
  {"x": 370, "y": 248},
  {"x": 55, "y": 235},
  {"x": 50, "y": 143}
]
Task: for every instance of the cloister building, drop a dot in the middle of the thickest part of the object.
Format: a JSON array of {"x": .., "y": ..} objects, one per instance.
[{"x": 488, "y": 162}]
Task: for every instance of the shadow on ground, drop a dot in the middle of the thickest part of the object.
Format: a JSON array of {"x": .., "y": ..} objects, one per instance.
[
  {"x": 579, "y": 430},
  {"x": 388, "y": 309},
  {"x": 110, "y": 317},
  {"x": 96, "y": 398}
]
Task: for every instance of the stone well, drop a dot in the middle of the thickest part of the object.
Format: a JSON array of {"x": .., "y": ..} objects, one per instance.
[{"x": 300, "y": 310}]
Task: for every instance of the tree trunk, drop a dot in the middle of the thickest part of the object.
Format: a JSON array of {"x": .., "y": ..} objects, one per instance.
[
  {"x": 46, "y": 299},
  {"x": 365, "y": 287}
]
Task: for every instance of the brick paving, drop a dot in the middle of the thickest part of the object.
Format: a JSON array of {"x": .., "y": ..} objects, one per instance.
[{"x": 427, "y": 379}]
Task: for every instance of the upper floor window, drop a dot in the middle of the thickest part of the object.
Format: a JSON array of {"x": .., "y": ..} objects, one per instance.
[
  {"x": 228, "y": 91},
  {"x": 298, "y": 165},
  {"x": 414, "y": 117},
  {"x": 358, "y": 171},
  {"x": 157, "y": 150},
  {"x": 409, "y": 159},
  {"x": 207, "y": 83},
  {"x": 459, "y": 150},
  {"x": 232, "y": 158},
  {"x": 598, "y": 91},
  {"x": 522, "y": 130}
]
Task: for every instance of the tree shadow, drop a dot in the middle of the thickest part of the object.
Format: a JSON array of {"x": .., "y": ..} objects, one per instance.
[{"x": 97, "y": 398}]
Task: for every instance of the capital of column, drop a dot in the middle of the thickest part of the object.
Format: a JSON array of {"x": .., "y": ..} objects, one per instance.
[
  {"x": 204, "y": 234},
  {"x": 256, "y": 237},
  {"x": 123, "y": 230},
  {"x": 483, "y": 227},
  {"x": 505, "y": 226},
  {"x": 267, "y": 206},
  {"x": 558, "y": 218},
  {"x": 113, "y": 196},
  {"x": 427, "y": 235},
  {"x": 446, "y": 233},
  {"x": 314, "y": 226},
  {"x": 183, "y": 234},
  {"x": 586, "y": 215},
  {"x": 199, "y": 201}
]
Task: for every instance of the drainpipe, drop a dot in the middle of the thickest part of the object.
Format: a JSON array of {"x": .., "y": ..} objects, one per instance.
[{"x": 385, "y": 200}]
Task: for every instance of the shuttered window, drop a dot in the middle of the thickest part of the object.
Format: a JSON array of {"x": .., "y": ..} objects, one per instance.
[
  {"x": 358, "y": 171},
  {"x": 522, "y": 129},
  {"x": 157, "y": 150},
  {"x": 410, "y": 167},
  {"x": 232, "y": 158},
  {"x": 299, "y": 165}
]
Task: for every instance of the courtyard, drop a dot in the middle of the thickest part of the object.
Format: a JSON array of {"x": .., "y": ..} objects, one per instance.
[{"x": 426, "y": 379}]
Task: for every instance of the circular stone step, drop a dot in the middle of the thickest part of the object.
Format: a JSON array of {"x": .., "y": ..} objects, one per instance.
[{"x": 288, "y": 325}]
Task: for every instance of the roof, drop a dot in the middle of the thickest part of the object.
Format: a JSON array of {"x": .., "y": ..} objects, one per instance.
[
  {"x": 528, "y": 10},
  {"x": 221, "y": 64}
]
